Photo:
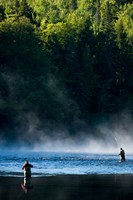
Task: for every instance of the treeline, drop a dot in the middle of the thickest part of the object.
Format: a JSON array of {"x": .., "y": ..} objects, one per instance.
[{"x": 64, "y": 62}]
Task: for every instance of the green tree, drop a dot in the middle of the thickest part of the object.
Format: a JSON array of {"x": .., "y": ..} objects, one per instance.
[
  {"x": 16, "y": 8},
  {"x": 124, "y": 26}
]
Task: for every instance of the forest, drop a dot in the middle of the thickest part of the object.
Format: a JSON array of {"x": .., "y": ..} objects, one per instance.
[{"x": 64, "y": 65}]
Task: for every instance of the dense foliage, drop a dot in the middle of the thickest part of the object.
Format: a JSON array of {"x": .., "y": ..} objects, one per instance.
[{"x": 63, "y": 63}]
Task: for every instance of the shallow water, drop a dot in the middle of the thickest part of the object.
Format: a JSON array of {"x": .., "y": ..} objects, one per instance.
[{"x": 63, "y": 163}]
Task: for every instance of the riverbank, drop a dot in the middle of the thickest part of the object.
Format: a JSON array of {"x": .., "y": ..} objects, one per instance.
[{"x": 68, "y": 187}]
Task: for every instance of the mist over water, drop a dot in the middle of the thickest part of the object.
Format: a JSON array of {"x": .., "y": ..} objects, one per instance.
[
  {"x": 105, "y": 137},
  {"x": 86, "y": 145},
  {"x": 92, "y": 151},
  {"x": 107, "y": 142}
]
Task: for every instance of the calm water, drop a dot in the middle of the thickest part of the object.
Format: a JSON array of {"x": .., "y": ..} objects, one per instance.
[{"x": 64, "y": 163}]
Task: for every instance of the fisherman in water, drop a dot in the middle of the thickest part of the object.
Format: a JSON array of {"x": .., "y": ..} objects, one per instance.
[
  {"x": 27, "y": 169},
  {"x": 122, "y": 155},
  {"x": 27, "y": 176}
]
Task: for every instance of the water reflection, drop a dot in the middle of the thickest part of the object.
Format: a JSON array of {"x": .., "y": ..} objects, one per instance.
[
  {"x": 26, "y": 185},
  {"x": 67, "y": 187}
]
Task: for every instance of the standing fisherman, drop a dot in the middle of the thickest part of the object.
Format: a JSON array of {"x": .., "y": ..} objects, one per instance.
[
  {"x": 122, "y": 154},
  {"x": 27, "y": 169},
  {"x": 27, "y": 176}
]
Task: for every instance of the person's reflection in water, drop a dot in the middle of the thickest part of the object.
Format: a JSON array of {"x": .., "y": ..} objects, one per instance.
[
  {"x": 26, "y": 185},
  {"x": 27, "y": 177}
]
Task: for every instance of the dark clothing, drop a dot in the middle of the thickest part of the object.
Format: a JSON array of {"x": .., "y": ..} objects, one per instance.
[
  {"x": 122, "y": 154},
  {"x": 27, "y": 165},
  {"x": 27, "y": 169}
]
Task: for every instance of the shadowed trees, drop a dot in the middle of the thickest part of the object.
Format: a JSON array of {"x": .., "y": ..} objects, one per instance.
[{"x": 64, "y": 61}]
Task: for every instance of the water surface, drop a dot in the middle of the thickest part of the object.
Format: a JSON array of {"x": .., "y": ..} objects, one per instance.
[{"x": 63, "y": 163}]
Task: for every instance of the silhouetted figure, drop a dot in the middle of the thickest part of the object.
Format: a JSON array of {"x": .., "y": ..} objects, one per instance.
[
  {"x": 27, "y": 176},
  {"x": 122, "y": 155},
  {"x": 27, "y": 169}
]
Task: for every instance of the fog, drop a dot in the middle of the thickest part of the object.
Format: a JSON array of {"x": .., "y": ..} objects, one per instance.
[
  {"x": 75, "y": 145},
  {"x": 107, "y": 143},
  {"x": 106, "y": 137}
]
